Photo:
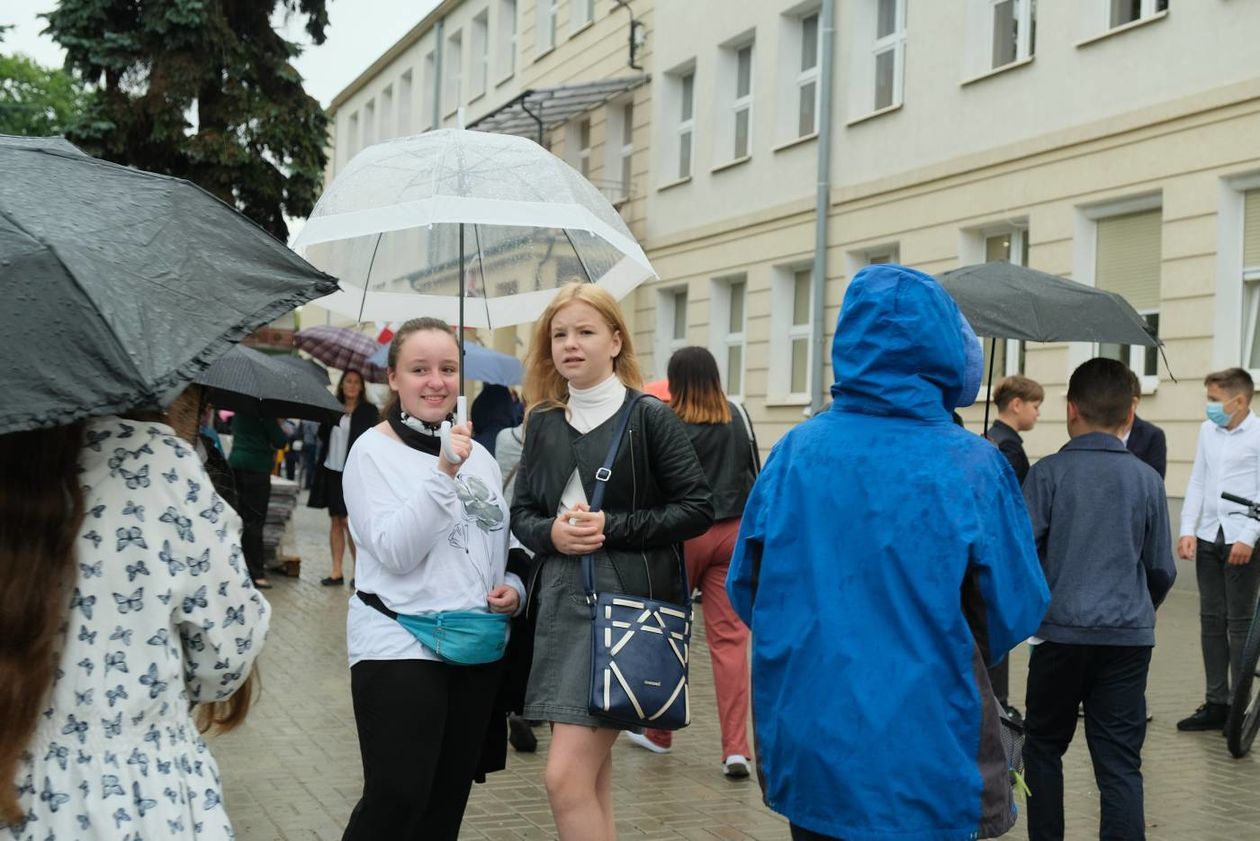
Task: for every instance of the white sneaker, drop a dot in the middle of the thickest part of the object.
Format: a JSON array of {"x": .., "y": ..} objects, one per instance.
[
  {"x": 735, "y": 766},
  {"x": 643, "y": 741}
]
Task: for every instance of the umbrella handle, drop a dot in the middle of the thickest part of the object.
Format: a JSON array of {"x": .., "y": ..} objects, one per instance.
[{"x": 461, "y": 414}]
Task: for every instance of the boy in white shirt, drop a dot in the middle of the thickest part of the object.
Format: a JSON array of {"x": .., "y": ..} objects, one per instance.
[{"x": 1220, "y": 540}]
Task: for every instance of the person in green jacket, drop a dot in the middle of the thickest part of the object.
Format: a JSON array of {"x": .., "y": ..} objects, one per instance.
[{"x": 254, "y": 445}]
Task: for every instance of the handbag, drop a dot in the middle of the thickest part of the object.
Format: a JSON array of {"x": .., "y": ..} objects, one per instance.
[{"x": 639, "y": 646}]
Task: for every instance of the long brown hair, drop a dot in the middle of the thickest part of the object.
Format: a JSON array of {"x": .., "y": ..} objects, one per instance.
[
  {"x": 41, "y": 510},
  {"x": 695, "y": 387},
  {"x": 545, "y": 387},
  {"x": 414, "y": 325}
]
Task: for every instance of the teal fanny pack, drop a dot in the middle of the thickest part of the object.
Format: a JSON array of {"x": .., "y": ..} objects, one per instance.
[{"x": 464, "y": 637}]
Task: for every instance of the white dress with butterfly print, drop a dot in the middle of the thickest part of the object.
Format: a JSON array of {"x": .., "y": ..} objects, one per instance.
[{"x": 162, "y": 614}]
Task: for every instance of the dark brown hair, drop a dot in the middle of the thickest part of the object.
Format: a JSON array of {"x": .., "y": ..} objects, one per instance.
[
  {"x": 695, "y": 387},
  {"x": 41, "y": 510},
  {"x": 1102, "y": 392},
  {"x": 1008, "y": 388},
  {"x": 341, "y": 386},
  {"x": 414, "y": 325},
  {"x": 1233, "y": 381}
]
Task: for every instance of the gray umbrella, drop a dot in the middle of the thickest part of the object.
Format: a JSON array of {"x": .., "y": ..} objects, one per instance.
[
  {"x": 1004, "y": 301},
  {"x": 254, "y": 383},
  {"x": 306, "y": 366},
  {"x": 120, "y": 286}
]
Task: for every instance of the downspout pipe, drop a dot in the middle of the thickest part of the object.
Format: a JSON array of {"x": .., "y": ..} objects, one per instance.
[
  {"x": 827, "y": 37},
  {"x": 437, "y": 74}
]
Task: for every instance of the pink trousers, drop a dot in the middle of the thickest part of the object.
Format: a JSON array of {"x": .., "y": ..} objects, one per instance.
[{"x": 708, "y": 561}]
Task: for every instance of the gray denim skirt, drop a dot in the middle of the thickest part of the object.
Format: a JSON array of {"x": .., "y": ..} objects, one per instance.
[{"x": 560, "y": 673}]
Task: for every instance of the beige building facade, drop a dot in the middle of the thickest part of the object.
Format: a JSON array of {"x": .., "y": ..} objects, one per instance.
[{"x": 1114, "y": 142}]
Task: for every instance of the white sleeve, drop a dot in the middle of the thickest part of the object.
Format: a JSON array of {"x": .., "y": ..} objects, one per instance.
[
  {"x": 1192, "y": 505},
  {"x": 398, "y": 534}
]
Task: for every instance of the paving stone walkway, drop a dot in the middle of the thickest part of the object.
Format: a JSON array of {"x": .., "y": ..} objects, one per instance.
[{"x": 292, "y": 771}]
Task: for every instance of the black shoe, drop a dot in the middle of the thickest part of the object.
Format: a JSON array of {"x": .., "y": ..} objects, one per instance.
[
  {"x": 332, "y": 582},
  {"x": 1207, "y": 717},
  {"x": 1013, "y": 714},
  {"x": 520, "y": 736}
]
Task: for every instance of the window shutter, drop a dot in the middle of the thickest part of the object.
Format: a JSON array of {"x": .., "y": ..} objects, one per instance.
[
  {"x": 1128, "y": 257},
  {"x": 1251, "y": 229}
]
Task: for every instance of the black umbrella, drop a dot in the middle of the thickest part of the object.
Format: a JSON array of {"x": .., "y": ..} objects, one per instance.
[
  {"x": 305, "y": 366},
  {"x": 254, "y": 383},
  {"x": 1004, "y": 301},
  {"x": 120, "y": 286}
]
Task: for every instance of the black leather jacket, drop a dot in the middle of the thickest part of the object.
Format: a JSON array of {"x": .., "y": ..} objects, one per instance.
[
  {"x": 730, "y": 460},
  {"x": 656, "y": 498}
]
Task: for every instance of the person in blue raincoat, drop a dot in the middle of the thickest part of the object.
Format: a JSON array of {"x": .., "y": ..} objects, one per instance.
[{"x": 884, "y": 561}]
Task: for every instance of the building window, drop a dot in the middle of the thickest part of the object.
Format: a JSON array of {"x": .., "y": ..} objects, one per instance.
[
  {"x": 507, "y": 38},
  {"x": 428, "y": 81},
  {"x": 1008, "y": 246},
  {"x": 352, "y": 137},
  {"x": 728, "y": 337},
  {"x": 480, "y": 47},
  {"x": 454, "y": 96},
  {"x": 671, "y": 322},
  {"x": 582, "y": 147},
  {"x": 386, "y": 130},
  {"x": 546, "y": 29},
  {"x": 1128, "y": 11},
  {"x": 404, "y": 104},
  {"x": 807, "y": 78},
  {"x": 369, "y": 123},
  {"x": 888, "y": 52},
  {"x": 686, "y": 87},
  {"x": 583, "y": 12},
  {"x": 626, "y": 150},
  {"x": 790, "y": 318},
  {"x": 741, "y": 106},
  {"x": 1127, "y": 262},
  {"x": 1012, "y": 24},
  {"x": 1251, "y": 280}
]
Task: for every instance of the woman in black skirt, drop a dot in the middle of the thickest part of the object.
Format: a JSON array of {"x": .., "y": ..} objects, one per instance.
[
  {"x": 581, "y": 370},
  {"x": 335, "y": 443}
]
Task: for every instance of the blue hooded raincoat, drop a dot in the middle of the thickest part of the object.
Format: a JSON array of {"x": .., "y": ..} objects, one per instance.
[{"x": 884, "y": 560}]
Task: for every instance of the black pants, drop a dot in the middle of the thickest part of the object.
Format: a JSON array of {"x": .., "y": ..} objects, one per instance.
[
  {"x": 1000, "y": 679},
  {"x": 421, "y": 724},
  {"x": 253, "y": 492},
  {"x": 1111, "y": 682},
  {"x": 1227, "y": 602}
]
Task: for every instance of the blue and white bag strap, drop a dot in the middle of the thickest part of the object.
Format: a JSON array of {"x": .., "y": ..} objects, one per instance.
[{"x": 602, "y": 475}]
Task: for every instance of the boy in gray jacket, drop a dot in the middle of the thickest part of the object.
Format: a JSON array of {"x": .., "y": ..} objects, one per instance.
[{"x": 1100, "y": 520}]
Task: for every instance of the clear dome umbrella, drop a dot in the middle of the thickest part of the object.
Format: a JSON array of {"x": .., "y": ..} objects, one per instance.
[{"x": 475, "y": 228}]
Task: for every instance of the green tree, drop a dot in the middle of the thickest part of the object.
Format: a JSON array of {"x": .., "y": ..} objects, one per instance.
[
  {"x": 203, "y": 90},
  {"x": 35, "y": 100}
]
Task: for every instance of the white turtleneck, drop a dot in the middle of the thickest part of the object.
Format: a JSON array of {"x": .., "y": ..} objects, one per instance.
[{"x": 587, "y": 409}]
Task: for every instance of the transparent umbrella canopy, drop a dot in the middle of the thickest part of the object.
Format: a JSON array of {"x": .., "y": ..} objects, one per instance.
[{"x": 417, "y": 225}]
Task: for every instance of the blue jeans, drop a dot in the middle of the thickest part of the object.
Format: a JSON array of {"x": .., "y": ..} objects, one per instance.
[{"x": 1111, "y": 682}]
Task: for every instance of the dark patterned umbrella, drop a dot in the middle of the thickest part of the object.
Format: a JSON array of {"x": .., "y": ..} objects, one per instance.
[
  {"x": 121, "y": 286},
  {"x": 254, "y": 383},
  {"x": 343, "y": 349}
]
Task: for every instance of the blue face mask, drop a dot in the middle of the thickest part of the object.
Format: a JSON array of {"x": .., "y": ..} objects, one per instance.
[{"x": 1216, "y": 413}]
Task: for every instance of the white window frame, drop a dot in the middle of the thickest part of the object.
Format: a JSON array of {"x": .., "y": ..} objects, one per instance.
[
  {"x": 741, "y": 104},
  {"x": 1025, "y": 14},
  {"x": 894, "y": 42},
  {"x": 722, "y": 338},
  {"x": 427, "y": 81},
  {"x": 583, "y": 15},
  {"x": 805, "y": 76},
  {"x": 1084, "y": 270},
  {"x": 479, "y": 55},
  {"x": 1233, "y": 277},
  {"x": 545, "y": 28},
  {"x": 1148, "y": 9},
  {"x": 453, "y": 73},
  {"x": 623, "y": 166},
  {"x": 506, "y": 27},
  {"x": 667, "y": 300},
  {"x": 686, "y": 125},
  {"x": 582, "y": 154},
  {"x": 783, "y": 333}
]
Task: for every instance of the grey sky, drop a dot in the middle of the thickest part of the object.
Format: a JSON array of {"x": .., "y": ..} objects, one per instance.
[{"x": 359, "y": 31}]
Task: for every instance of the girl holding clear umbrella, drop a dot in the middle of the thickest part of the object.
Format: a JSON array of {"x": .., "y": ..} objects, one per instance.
[{"x": 580, "y": 371}]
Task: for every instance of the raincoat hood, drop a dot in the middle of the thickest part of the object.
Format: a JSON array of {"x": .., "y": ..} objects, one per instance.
[{"x": 903, "y": 348}]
